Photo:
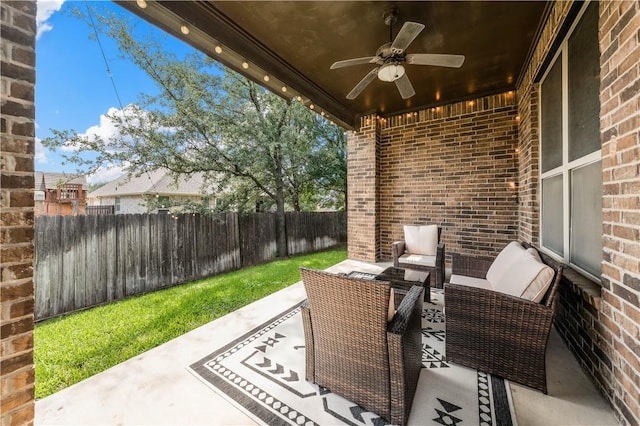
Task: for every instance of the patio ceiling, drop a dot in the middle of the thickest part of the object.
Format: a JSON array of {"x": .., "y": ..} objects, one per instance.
[{"x": 295, "y": 43}]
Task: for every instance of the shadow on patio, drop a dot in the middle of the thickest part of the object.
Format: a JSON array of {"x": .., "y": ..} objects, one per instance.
[{"x": 157, "y": 388}]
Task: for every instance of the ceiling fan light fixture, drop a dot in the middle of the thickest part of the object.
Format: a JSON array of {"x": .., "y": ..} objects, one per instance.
[{"x": 390, "y": 72}]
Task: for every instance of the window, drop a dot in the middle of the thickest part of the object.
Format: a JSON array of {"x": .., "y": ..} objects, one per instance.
[
  {"x": 570, "y": 158},
  {"x": 117, "y": 204}
]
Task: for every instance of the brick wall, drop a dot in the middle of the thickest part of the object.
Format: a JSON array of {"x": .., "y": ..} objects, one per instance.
[
  {"x": 455, "y": 165},
  {"x": 619, "y": 30},
  {"x": 428, "y": 170},
  {"x": 363, "y": 221},
  {"x": 17, "y": 85},
  {"x": 600, "y": 325},
  {"x": 528, "y": 170}
]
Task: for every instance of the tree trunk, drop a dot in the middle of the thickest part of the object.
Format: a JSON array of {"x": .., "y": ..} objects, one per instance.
[{"x": 281, "y": 229}]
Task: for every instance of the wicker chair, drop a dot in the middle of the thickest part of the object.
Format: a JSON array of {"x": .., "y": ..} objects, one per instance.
[
  {"x": 353, "y": 350},
  {"x": 498, "y": 333},
  {"x": 399, "y": 252}
]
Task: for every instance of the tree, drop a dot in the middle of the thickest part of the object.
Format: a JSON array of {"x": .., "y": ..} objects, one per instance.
[{"x": 212, "y": 120}]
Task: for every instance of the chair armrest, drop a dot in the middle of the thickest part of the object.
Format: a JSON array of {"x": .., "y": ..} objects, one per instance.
[
  {"x": 308, "y": 341},
  {"x": 410, "y": 303},
  {"x": 397, "y": 249},
  {"x": 404, "y": 340},
  {"x": 506, "y": 326},
  {"x": 470, "y": 266},
  {"x": 440, "y": 271},
  {"x": 498, "y": 333},
  {"x": 512, "y": 311}
]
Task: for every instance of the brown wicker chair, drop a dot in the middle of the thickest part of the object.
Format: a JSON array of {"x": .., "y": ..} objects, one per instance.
[
  {"x": 398, "y": 249},
  {"x": 497, "y": 333},
  {"x": 353, "y": 350}
]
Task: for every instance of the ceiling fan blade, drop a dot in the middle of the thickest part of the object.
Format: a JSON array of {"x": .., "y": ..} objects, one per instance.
[
  {"x": 407, "y": 34},
  {"x": 453, "y": 61},
  {"x": 363, "y": 83},
  {"x": 405, "y": 87},
  {"x": 355, "y": 61}
]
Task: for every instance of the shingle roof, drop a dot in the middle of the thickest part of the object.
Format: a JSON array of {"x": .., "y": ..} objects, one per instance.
[
  {"x": 156, "y": 182},
  {"x": 51, "y": 180}
]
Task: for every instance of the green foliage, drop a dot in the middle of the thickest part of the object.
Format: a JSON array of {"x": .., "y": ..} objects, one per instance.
[
  {"x": 94, "y": 186},
  {"x": 250, "y": 143},
  {"x": 71, "y": 348}
]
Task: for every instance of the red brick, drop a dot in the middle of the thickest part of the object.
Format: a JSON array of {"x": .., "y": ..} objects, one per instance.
[
  {"x": 22, "y": 308},
  {"x": 16, "y": 399},
  {"x": 17, "y": 145},
  {"x": 25, "y": 57},
  {"x": 17, "y": 218},
  {"x": 16, "y": 344},
  {"x": 16, "y": 291},
  {"x": 16, "y": 253},
  {"x": 22, "y": 90},
  {"x": 21, "y": 198},
  {"x": 22, "y": 416},
  {"x": 17, "y": 235},
  {"x": 9, "y": 364}
]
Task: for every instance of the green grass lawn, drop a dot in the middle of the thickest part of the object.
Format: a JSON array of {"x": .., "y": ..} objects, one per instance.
[{"x": 76, "y": 346}]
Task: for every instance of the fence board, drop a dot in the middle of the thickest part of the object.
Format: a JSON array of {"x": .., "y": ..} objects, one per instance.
[
  {"x": 307, "y": 231},
  {"x": 257, "y": 238},
  {"x": 83, "y": 261},
  {"x": 68, "y": 258},
  {"x": 79, "y": 250},
  {"x": 110, "y": 224},
  {"x": 153, "y": 265}
]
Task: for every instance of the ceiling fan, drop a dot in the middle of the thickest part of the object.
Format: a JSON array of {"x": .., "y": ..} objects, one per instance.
[{"x": 391, "y": 59}]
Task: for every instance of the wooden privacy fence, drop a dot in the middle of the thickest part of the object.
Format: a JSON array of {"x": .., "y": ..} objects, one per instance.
[{"x": 88, "y": 260}]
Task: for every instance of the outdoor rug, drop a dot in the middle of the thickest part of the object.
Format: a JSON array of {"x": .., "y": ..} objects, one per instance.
[{"x": 262, "y": 372}]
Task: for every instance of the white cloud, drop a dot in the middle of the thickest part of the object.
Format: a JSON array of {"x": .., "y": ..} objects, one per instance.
[
  {"x": 46, "y": 8},
  {"x": 41, "y": 152},
  {"x": 106, "y": 174},
  {"x": 106, "y": 129}
]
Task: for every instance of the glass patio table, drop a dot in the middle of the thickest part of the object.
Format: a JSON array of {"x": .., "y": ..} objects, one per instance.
[{"x": 401, "y": 280}]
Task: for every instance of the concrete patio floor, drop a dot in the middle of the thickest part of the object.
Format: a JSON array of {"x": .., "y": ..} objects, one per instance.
[{"x": 155, "y": 388}]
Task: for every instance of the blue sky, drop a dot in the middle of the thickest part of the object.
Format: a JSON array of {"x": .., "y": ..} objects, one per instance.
[{"x": 73, "y": 88}]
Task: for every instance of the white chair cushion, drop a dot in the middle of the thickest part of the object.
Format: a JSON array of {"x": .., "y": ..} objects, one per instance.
[
  {"x": 470, "y": 281},
  {"x": 421, "y": 239},
  {"x": 504, "y": 260},
  {"x": 391, "y": 311},
  {"x": 418, "y": 259},
  {"x": 526, "y": 277},
  {"x": 533, "y": 252}
]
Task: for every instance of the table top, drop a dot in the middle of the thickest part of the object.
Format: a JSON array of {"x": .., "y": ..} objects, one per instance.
[{"x": 412, "y": 276}]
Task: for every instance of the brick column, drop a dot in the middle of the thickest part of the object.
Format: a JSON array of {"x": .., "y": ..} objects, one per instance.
[
  {"x": 363, "y": 222},
  {"x": 619, "y": 333},
  {"x": 528, "y": 164},
  {"x": 16, "y": 218}
]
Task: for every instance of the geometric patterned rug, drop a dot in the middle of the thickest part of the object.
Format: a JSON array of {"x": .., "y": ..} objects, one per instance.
[{"x": 262, "y": 373}]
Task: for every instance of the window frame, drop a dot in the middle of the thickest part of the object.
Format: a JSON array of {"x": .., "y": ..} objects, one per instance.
[{"x": 567, "y": 166}]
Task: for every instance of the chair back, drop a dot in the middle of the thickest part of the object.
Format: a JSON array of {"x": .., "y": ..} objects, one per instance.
[{"x": 349, "y": 325}]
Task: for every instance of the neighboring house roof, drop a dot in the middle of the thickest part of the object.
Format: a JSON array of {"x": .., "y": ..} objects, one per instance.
[
  {"x": 156, "y": 182},
  {"x": 51, "y": 180}
]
